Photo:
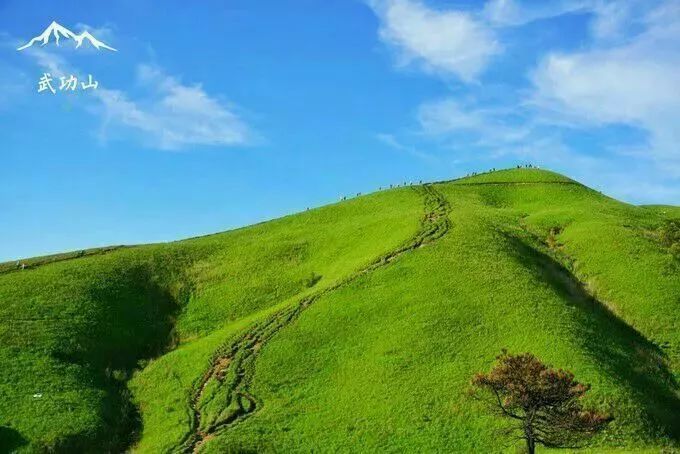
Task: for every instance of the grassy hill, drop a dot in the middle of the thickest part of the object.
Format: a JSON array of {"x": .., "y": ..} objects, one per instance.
[{"x": 352, "y": 327}]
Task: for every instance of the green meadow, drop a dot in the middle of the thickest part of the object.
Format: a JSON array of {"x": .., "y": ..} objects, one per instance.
[{"x": 355, "y": 327}]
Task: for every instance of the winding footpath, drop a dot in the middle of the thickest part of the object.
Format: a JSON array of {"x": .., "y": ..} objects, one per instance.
[{"x": 222, "y": 397}]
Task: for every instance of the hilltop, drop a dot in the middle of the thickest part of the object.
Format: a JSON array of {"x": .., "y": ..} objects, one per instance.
[{"x": 354, "y": 326}]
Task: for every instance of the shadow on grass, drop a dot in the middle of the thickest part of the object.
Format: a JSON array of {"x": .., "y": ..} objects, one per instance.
[
  {"x": 618, "y": 348},
  {"x": 10, "y": 439},
  {"x": 135, "y": 324}
]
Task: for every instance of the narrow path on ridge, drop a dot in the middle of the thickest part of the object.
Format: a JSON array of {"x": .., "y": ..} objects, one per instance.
[{"x": 222, "y": 397}]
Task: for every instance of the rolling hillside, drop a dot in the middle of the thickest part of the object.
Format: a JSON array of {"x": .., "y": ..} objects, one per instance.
[{"x": 352, "y": 327}]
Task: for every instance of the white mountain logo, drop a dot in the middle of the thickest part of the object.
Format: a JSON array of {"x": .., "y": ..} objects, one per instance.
[{"x": 59, "y": 31}]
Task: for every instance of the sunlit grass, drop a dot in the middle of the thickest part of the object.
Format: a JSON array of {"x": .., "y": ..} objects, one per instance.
[{"x": 115, "y": 342}]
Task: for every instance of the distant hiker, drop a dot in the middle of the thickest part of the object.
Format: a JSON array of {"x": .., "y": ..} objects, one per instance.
[{"x": 23, "y": 266}]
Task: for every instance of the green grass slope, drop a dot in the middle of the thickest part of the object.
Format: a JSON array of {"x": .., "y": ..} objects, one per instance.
[
  {"x": 73, "y": 331},
  {"x": 385, "y": 363},
  {"x": 354, "y": 327}
]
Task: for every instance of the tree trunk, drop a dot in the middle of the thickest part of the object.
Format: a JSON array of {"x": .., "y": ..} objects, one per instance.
[
  {"x": 531, "y": 446},
  {"x": 529, "y": 436}
]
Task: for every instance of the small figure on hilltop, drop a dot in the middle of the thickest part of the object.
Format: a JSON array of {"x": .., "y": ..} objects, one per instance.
[{"x": 543, "y": 402}]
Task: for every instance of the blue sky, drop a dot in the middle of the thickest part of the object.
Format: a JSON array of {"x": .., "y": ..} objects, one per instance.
[{"x": 226, "y": 113}]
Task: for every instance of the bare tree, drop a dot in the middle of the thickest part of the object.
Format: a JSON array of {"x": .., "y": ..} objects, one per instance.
[{"x": 544, "y": 403}]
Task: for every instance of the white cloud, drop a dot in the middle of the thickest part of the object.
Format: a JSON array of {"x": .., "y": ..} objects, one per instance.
[
  {"x": 173, "y": 115},
  {"x": 391, "y": 141},
  {"x": 506, "y": 12},
  {"x": 491, "y": 134},
  {"x": 610, "y": 19},
  {"x": 490, "y": 126},
  {"x": 104, "y": 33},
  {"x": 168, "y": 115},
  {"x": 442, "y": 41},
  {"x": 447, "y": 115},
  {"x": 627, "y": 74},
  {"x": 634, "y": 84},
  {"x": 165, "y": 113},
  {"x": 50, "y": 62},
  {"x": 515, "y": 13}
]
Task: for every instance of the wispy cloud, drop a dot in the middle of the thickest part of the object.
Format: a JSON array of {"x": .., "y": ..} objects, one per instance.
[
  {"x": 634, "y": 84},
  {"x": 515, "y": 13},
  {"x": 489, "y": 126},
  {"x": 394, "y": 143},
  {"x": 165, "y": 114},
  {"x": 609, "y": 17},
  {"x": 50, "y": 62},
  {"x": 618, "y": 93},
  {"x": 461, "y": 42},
  {"x": 452, "y": 42},
  {"x": 173, "y": 115}
]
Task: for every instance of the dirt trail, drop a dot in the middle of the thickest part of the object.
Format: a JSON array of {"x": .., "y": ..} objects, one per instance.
[{"x": 222, "y": 398}]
